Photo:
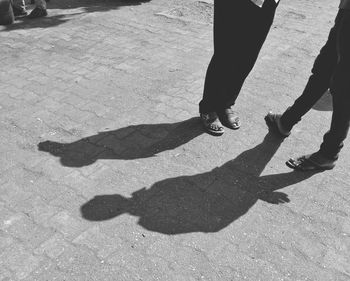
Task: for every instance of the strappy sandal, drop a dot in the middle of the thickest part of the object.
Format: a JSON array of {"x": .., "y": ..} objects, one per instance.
[
  {"x": 19, "y": 11},
  {"x": 306, "y": 163},
  {"x": 212, "y": 124},
  {"x": 38, "y": 12},
  {"x": 273, "y": 121},
  {"x": 230, "y": 118}
]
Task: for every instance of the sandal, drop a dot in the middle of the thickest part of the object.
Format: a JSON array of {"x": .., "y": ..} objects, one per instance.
[
  {"x": 309, "y": 163},
  {"x": 212, "y": 124},
  {"x": 273, "y": 121},
  {"x": 19, "y": 11},
  {"x": 230, "y": 118},
  {"x": 38, "y": 12}
]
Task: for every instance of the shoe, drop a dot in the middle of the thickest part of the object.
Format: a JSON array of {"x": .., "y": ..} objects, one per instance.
[
  {"x": 229, "y": 118},
  {"x": 273, "y": 121},
  {"x": 312, "y": 162},
  {"x": 212, "y": 124},
  {"x": 38, "y": 12},
  {"x": 19, "y": 11}
]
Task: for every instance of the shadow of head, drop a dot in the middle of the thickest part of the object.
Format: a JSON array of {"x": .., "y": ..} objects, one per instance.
[
  {"x": 132, "y": 142},
  {"x": 105, "y": 207}
]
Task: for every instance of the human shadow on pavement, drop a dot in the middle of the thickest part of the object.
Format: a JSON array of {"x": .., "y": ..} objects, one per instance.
[
  {"x": 90, "y": 6},
  {"x": 132, "y": 142},
  {"x": 206, "y": 202},
  {"x": 26, "y": 23},
  {"x": 82, "y": 6}
]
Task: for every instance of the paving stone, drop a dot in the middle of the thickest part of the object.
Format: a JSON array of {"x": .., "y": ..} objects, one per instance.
[
  {"x": 20, "y": 261},
  {"x": 5, "y": 274},
  {"x": 99, "y": 242},
  {"x": 53, "y": 247},
  {"x": 66, "y": 224},
  {"x": 105, "y": 171}
]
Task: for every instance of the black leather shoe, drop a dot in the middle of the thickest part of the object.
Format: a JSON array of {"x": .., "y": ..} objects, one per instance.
[{"x": 230, "y": 118}]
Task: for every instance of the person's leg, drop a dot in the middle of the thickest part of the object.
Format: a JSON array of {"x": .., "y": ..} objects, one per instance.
[
  {"x": 19, "y": 8},
  {"x": 240, "y": 29},
  {"x": 326, "y": 157},
  {"x": 318, "y": 83},
  {"x": 226, "y": 25},
  {"x": 340, "y": 87},
  {"x": 7, "y": 16},
  {"x": 19, "y": 3}
]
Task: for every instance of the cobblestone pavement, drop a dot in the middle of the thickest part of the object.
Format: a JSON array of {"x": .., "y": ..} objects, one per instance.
[{"x": 107, "y": 175}]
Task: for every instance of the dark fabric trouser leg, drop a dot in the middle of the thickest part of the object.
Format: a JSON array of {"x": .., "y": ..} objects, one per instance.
[
  {"x": 331, "y": 70},
  {"x": 318, "y": 83},
  {"x": 240, "y": 29},
  {"x": 340, "y": 88}
]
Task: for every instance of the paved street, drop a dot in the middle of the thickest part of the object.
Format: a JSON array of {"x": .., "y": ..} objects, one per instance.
[{"x": 106, "y": 173}]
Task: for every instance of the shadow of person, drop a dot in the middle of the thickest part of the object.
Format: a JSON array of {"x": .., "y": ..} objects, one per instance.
[
  {"x": 84, "y": 6},
  {"x": 206, "y": 202},
  {"x": 325, "y": 103},
  {"x": 45, "y": 22},
  {"x": 91, "y": 6},
  {"x": 132, "y": 142}
]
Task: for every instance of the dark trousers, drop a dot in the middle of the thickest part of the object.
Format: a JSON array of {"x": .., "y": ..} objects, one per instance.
[
  {"x": 331, "y": 70},
  {"x": 240, "y": 29}
]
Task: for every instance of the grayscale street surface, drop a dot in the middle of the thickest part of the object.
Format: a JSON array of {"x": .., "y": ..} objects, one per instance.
[{"x": 106, "y": 173}]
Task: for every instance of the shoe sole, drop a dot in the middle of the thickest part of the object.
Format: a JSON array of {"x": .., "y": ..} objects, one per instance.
[
  {"x": 315, "y": 167},
  {"x": 213, "y": 133}
]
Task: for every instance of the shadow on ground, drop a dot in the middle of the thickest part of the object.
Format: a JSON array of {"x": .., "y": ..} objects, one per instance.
[
  {"x": 85, "y": 6},
  {"x": 26, "y": 23},
  {"x": 132, "y": 142},
  {"x": 90, "y": 6},
  {"x": 206, "y": 202}
]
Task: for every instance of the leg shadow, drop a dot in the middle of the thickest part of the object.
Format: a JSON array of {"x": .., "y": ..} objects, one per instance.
[{"x": 206, "y": 202}]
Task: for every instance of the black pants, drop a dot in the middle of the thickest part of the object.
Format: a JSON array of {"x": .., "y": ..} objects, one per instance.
[
  {"x": 240, "y": 29},
  {"x": 331, "y": 70}
]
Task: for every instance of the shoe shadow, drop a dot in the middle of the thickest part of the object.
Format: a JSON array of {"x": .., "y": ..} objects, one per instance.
[
  {"x": 132, "y": 142},
  {"x": 206, "y": 202}
]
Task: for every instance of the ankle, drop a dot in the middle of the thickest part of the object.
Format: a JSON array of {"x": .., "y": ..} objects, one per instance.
[
  {"x": 284, "y": 125},
  {"x": 324, "y": 157}
]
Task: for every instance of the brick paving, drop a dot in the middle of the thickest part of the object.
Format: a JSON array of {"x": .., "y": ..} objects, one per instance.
[{"x": 107, "y": 175}]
